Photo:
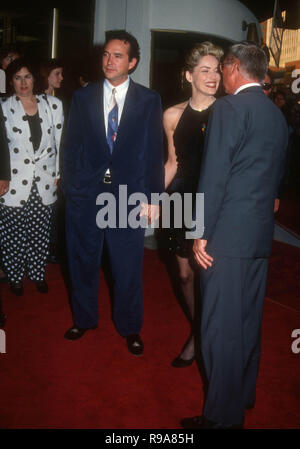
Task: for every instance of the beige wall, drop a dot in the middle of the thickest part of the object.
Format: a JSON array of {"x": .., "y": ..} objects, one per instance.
[{"x": 221, "y": 18}]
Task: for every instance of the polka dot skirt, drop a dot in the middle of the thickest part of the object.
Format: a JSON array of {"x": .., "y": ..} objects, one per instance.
[{"x": 24, "y": 234}]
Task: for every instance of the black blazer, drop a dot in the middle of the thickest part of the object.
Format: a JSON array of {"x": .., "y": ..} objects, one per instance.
[
  {"x": 137, "y": 158},
  {"x": 242, "y": 166},
  {"x": 4, "y": 151}
]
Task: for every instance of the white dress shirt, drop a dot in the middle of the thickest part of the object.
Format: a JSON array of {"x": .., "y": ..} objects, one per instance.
[
  {"x": 120, "y": 95},
  {"x": 245, "y": 86}
]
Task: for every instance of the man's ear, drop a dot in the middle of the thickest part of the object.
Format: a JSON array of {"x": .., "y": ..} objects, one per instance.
[
  {"x": 132, "y": 63},
  {"x": 232, "y": 67}
]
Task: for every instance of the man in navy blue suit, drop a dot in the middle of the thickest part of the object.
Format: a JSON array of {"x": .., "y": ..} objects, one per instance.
[
  {"x": 113, "y": 139},
  {"x": 242, "y": 166}
]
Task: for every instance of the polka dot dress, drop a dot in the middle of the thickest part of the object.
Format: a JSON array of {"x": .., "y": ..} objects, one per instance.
[{"x": 24, "y": 234}]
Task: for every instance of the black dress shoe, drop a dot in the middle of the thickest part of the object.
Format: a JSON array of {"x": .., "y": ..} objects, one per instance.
[
  {"x": 3, "y": 277},
  {"x": 178, "y": 362},
  {"x": 250, "y": 406},
  {"x": 135, "y": 344},
  {"x": 200, "y": 422},
  {"x": 42, "y": 286},
  {"x": 74, "y": 333},
  {"x": 195, "y": 422},
  {"x": 3, "y": 280},
  {"x": 17, "y": 288}
]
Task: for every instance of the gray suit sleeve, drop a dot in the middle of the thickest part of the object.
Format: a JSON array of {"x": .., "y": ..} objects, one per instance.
[{"x": 223, "y": 139}]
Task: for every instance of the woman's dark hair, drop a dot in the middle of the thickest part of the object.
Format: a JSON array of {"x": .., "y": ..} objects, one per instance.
[
  {"x": 45, "y": 70},
  {"x": 122, "y": 35},
  {"x": 15, "y": 67},
  {"x": 7, "y": 51}
]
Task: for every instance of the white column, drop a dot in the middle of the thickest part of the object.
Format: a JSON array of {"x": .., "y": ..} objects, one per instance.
[
  {"x": 109, "y": 15},
  {"x": 137, "y": 23},
  {"x": 133, "y": 16},
  {"x": 99, "y": 21}
]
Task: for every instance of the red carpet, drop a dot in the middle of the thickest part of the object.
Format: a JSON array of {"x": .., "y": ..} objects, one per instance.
[
  {"x": 284, "y": 275},
  {"x": 48, "y": 382},
  {"x": 289, "y": 211}
]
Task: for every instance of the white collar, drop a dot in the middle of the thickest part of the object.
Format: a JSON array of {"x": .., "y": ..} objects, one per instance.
[
  {"x": 245, "y": 86},
  {"x": 121, "y": 88}
]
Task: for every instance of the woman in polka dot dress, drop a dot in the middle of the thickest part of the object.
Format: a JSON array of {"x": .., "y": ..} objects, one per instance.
[{"x": 33, "y": 126}]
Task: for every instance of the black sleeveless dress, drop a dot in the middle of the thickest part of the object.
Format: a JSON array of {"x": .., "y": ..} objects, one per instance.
[{"x": 189, "y": 144}]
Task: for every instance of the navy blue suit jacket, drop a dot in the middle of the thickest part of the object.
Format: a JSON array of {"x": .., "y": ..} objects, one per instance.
[
  {"x": 137, "y": 158},
  {"x": 243, "y": 162}
]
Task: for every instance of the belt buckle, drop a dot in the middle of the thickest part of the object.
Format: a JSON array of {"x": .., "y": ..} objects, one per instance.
[
  {"x": 106, "y": 180},
  {"x": 107, "y": 177}
]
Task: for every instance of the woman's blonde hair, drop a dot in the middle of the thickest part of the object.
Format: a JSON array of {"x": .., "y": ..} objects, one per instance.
[{"x": 198, "y": 51}]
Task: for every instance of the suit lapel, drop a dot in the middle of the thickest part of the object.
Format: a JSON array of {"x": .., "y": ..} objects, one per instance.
[
  {"x": 128, "y": 118},
  {"x": 20, "y": 125},
  {"x": 45, "y": 114},
  {"x": 96, "y": 111}
]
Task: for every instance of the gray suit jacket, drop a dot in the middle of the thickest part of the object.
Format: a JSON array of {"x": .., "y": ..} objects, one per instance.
[{"x": 242, "y": 166}]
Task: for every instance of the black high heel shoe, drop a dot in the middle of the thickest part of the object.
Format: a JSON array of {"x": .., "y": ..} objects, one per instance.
[
  {"x": 42, "y": 286},
  {"x": 17, "y": 288},
  {"x": 178, "y": 362}
]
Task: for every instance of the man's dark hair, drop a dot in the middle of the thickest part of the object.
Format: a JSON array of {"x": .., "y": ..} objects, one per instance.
[
  {"x": 253, "y": 59},
  {"x": 122, "y": 35}
]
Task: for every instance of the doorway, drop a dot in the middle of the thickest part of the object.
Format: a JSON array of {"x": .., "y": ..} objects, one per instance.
[{"x": 169, "y": 49}]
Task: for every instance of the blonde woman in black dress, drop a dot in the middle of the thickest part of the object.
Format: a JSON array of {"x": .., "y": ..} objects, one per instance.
[{"x": 185, "y": 125}]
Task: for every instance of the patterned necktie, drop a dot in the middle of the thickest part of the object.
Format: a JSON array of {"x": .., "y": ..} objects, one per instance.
[{"x": 112, "y": 124}]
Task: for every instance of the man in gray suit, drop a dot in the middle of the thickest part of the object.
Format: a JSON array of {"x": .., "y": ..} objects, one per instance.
[{"x": 242, "y": 166}]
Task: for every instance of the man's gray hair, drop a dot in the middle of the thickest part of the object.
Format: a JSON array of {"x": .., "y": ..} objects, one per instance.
[{"x": 254, "y": 62}]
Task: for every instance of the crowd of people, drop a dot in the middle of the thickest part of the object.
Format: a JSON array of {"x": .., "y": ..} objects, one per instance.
[
  {"x": 288, "y": 103},
  {"x": 232, "y": 149},
  {"x": 48, "y": 74}
]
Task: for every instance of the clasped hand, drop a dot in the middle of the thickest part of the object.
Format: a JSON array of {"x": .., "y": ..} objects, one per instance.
[
  {"x": 200, "y": 254},
  {"x": 151, "y": 211}
]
